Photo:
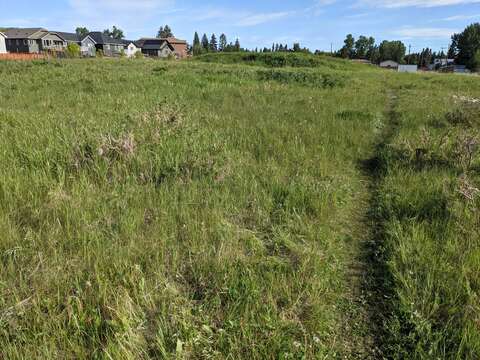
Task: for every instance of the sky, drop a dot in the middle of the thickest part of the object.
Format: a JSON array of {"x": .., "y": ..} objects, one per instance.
[{"x": 316, "y": 24}]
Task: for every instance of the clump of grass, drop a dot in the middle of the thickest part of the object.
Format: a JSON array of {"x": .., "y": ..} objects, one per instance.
[{"x": 302, "y": 78}]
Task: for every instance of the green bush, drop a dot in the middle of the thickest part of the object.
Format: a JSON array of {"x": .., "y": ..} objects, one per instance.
[
  {"x": 138, "y": 55},
  {"x": 73, "y": 50}
]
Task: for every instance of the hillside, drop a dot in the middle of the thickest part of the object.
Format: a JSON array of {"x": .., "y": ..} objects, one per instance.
[{"x": 299, "y": 208}]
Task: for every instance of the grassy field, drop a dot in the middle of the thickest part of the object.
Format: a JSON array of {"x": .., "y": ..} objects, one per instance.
[{"x": 297, "y": 208}]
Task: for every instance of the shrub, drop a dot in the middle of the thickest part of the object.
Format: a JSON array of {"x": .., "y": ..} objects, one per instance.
[
  {"x": 99, "y": 53},
  {"x": 138, "y": 55},
  {"x": 73, "y": 50}
]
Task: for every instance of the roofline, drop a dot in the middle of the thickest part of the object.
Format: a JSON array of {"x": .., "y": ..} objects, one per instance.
[
  {"x": 5, "y": 36},
  {"x": 88, "y": 36},
  {"x": 36, "y": 32},
  {"x": 54, "y": 33}
]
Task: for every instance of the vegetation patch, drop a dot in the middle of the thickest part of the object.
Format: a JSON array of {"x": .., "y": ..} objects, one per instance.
[{"x": 302, "y": 78}]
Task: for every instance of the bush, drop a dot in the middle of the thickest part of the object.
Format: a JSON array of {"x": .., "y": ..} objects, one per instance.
[
  {"x": 99, "y": 53},
  {"x": 72, "y": 50},
  {"x": 138, "y": 55}
]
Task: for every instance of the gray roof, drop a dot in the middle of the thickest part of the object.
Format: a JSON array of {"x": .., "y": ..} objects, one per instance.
[
  {"x": 1, "y": 33},
  {"x": 100, "y": 38},
  {"x": 153, "y": 43},
  {"x": 28, "y": 33},
  {"x": 69, "y": 36}
]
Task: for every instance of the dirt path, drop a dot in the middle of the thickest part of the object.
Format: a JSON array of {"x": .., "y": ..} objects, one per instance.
[{"x": 370, "y": 281}]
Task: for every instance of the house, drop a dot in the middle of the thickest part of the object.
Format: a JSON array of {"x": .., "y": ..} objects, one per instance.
[
  {"x": 180, "y": 47},
  {"x": 3, "y": 45},
  {"x": 108, "y": 45},
  {"x": 131, "y": 48},
  {"x": 33, "y": 40},
  {"x": 86, "y": 43},
  {"x": 154, "y": 47},
  {"x": 407, "y": 68},
  {"x": 389, "y": 64}
]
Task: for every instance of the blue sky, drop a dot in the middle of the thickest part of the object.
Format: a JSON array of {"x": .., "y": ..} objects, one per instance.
[{"x": 313, "y": 23}]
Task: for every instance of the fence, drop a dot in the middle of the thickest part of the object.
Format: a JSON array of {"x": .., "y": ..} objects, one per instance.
[{"x": 18, "y": 56}]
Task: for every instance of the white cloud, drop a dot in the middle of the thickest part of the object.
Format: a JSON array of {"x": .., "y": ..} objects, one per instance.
[
  {"x": 89, "y": 6},
  {"x": 414, "y": 3},
  {"x": 257, "y": 19},
  {"x": 461, "y": 17},
  {"x": 425, "y": 33}
]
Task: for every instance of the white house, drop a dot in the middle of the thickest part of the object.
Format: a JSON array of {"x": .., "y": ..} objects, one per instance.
[
  {"x": 389, "y": 64},
  {"x": 131, "y": 48},
  {"x": 3, "y": 46},
  {"x": 87, "y": 47},
  {"x": 407, "y": 68}
]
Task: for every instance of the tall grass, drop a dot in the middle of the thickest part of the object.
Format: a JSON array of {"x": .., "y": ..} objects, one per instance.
[
  {"x": 181, "y": 212},
  {"x": 201, "y": 210}
]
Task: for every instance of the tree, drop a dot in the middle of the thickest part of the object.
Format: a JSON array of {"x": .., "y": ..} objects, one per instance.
[
  {"x": 205, "y": 42},
  {"x": 82, "y": 31},
  {"x": 347, "y": 50},
  {"x": 392, "y": 50},
  {"x": 467, "y": 45},
  {"x": 237, "y": 45},
  {"x": 197, "y": 46},
  {"x": 115, "y": 33},
  {"x": 164, "y": 32},
  {"x": 296, "y": 47},
  {"x": 223, "y": 42},
  {"x": 213, "y": 45},
  {"x": 363, "y": 46}
]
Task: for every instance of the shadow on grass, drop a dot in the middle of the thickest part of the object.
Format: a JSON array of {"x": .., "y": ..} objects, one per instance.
[{"x": 377, "y": 283}]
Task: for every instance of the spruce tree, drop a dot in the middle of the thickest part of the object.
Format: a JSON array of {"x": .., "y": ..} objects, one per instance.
[
  {"x": 205, "y": 42},
  {"x": 197, "y": 46},
  {"x": 237, "y": 45},
  {"x": 223, "y": 42},
  {"x": 213, "y": 46}
]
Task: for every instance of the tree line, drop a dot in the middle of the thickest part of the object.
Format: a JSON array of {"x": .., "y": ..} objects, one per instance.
[{"x": 206, "y": 45}]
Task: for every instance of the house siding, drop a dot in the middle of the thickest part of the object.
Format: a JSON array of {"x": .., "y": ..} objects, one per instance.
[
  {"x": 3, "y": 45},
  {"x": 52, "y": 42},
  {"x": 87, "y": 47}
]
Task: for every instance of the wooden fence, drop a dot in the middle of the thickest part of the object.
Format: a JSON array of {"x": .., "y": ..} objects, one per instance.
[{"x": 18, "y": 56}]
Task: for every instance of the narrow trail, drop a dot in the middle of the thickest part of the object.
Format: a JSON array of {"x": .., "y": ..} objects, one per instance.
[{"x": 370, "y": 281}]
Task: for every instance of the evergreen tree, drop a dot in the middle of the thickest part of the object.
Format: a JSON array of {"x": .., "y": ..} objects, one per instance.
[
  {"x": 205, "y": 42},
  {"x": 164, "y": 32},
  {"x": 296, "y": 47},
  {"x": 223, "y": 42},
  {"x": 197, "y": 46},
  {"x": 237, "y": 45},
  {"x": 467, "y": 46},
  {"x": 213, "y": 46}
]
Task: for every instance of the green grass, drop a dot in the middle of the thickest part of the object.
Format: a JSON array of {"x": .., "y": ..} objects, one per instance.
[{"x": 202, "y": 210}]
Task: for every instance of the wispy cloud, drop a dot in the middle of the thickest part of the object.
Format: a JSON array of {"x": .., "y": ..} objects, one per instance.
[
  {"x": 414, "y": 3},
  {"x": 425, "y": 33},
  {"x": 461, "y": 17},
  {"x": 257, "y": 19}
]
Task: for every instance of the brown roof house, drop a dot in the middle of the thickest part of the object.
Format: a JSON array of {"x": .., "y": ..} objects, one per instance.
[
  {"x": 33, "y": 40},
  {"x": 180, "y": 47}
]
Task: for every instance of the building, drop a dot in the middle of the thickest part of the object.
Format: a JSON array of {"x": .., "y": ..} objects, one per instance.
[
  {"x": 389, "y": 64},
  {"x": 407, "y": 68},
  {"x": 108, "y": 45},
  {"x": 131, "y": 48},
  {"x": 3, "y": 45},
  {"x": 86, "y": 43},
  {"x": 154, "y": 47},
  {"x": 180, "y": 47},
  {"x": 33, "y": 41}
]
